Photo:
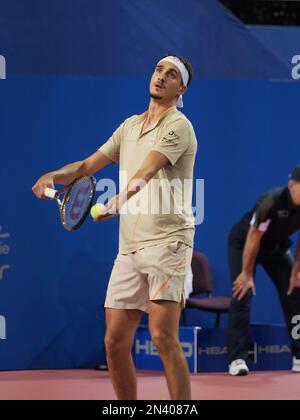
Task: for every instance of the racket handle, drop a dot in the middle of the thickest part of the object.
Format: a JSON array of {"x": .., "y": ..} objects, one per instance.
[{"x": 50, "y": 193}]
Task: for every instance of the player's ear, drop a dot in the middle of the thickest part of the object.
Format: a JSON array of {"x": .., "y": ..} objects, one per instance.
[{"x": 182, "y": 90}]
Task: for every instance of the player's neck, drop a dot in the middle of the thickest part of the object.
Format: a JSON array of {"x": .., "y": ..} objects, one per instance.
[{"x": 156, "y": 110}]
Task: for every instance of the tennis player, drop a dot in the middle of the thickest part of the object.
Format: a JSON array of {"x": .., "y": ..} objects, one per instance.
[{"x": 155, "y": 248}]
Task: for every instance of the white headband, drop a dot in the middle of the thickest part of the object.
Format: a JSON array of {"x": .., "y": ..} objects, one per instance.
[{"x": 184, "y": 74}]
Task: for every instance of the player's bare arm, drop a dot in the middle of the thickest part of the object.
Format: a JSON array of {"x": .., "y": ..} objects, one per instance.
[{"x": 69, "y": 173}]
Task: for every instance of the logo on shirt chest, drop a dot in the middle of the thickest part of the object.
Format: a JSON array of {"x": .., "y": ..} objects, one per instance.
[{"x": 283, "y": 214}]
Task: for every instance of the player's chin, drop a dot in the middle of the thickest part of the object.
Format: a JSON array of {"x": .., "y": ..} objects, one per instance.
[{"x": 155, "y": 95}]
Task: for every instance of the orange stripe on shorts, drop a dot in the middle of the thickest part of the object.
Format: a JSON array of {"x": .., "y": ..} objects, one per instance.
[{"x": 170, "y": 277}]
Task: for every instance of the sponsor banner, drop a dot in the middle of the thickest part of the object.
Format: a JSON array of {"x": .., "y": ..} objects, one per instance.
[{"x": 206, "y": 349}]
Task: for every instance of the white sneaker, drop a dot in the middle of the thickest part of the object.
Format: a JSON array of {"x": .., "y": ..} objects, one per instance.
[
  {"x": 296, "y": 365},
  {"x": 239, "y": 368}
]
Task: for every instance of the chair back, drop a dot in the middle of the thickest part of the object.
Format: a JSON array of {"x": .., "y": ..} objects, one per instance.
[{"x": 202, "y": 276}]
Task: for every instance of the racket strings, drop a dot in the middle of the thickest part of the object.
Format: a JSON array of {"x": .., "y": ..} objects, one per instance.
[{"x": 78, "y": 201}]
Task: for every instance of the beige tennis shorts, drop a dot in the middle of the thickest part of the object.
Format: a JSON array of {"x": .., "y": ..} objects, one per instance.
[{"x": 154, "y": 273}]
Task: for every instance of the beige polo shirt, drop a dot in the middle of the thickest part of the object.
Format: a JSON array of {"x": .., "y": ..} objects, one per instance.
[{"x": 162, "y": 211}]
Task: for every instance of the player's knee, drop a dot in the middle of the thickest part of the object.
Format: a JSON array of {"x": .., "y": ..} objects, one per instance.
[
  {"x": 115, "y": 345},
  {"x": 164, "y": 342}
]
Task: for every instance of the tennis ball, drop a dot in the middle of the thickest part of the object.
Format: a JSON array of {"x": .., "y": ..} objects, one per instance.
[{"x": 97, "y": 210}]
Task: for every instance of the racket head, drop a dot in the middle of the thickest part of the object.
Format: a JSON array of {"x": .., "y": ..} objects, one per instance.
[{"x": 77, "y": 202}]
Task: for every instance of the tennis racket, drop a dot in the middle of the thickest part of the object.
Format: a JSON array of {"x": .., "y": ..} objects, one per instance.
[{"x": 76, "y": 202}]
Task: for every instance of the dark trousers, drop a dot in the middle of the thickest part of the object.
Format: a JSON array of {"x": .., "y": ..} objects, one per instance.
[{"x": 278, "y": 266}]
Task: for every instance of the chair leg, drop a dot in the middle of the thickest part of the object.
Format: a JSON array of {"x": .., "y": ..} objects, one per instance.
[{"x": 218, "y": 320}]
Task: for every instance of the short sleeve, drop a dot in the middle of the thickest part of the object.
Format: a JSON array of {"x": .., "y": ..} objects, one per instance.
[
  {"x": 262, "y": 216},
  {"x": 111, "y": 148},
  {"x": 174, "y": 140}
]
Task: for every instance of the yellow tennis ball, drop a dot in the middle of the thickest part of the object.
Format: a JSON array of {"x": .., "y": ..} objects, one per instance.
[{"x": 97, "y": 210}]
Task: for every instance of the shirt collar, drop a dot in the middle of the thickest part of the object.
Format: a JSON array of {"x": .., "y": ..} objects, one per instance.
[{"x": 143, "y": 116}]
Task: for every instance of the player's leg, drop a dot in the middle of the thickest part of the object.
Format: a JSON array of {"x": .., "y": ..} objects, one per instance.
[
  {"x": 126, "y": 299},
  {"x": 164, "y": 319},
  {"x": 168, "y": 269},
  {"x": 121, "y": 325}
]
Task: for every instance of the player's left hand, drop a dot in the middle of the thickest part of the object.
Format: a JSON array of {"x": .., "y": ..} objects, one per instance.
[
  {"x": 113, "y": 208},
  {"x": 294, "y": 282}
]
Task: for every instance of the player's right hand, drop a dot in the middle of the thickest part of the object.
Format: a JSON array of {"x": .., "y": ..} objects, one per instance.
[
  {"x": 46, "y": 181},
  {"x": 243, "y": 283}
]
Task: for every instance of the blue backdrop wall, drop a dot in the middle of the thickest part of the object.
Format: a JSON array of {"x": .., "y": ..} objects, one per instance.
[{"x": 74, "y": 71}]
